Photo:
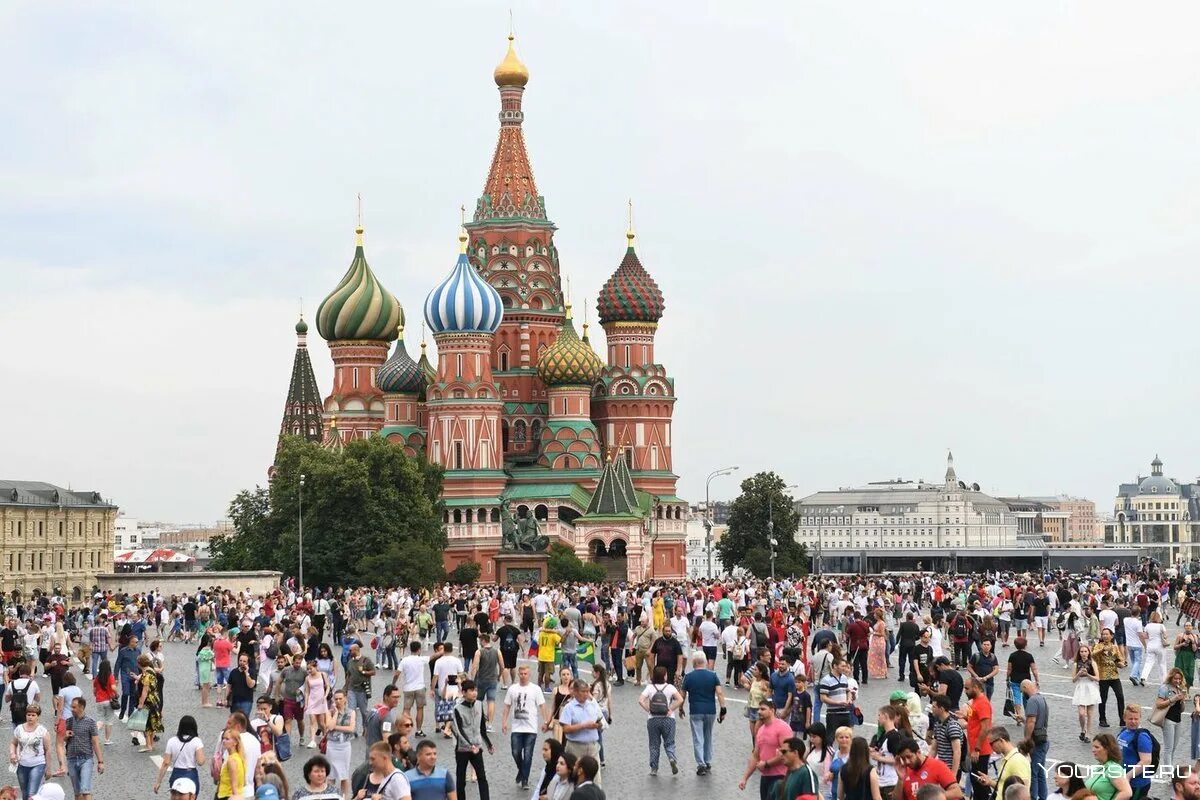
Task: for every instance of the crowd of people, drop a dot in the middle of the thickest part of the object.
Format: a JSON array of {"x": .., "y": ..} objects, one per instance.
[{"x": 297, "y": 672}]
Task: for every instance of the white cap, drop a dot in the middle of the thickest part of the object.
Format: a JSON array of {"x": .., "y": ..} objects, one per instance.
[
  {"x": 50, "y": 791},
  {"x": 184, "y": 786}
]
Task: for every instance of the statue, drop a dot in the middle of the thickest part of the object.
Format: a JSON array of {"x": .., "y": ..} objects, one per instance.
[{"x": 521, "y": 535}]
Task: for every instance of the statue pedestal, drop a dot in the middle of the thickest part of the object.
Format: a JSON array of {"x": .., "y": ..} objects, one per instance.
[{"x": 521, "y": 569}]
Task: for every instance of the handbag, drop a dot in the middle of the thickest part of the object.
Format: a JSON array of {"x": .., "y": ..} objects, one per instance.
[
  {"x": 114, "y": 704},
  {"x": 323, "y": 744},
  {"x": 138, "y": 720},
  {"x": 283, "y": 746},
  {"x": 630, "y": 660},
  {"x": 1010, "y": 708},
  {"x": 1159, "y": 716}
]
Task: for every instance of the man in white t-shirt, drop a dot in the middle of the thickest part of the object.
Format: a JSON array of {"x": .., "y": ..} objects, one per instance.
[
  {"x": 660, "y": 700},
  {"x": 412, "y": 671},
  {"x": 710, "y": 637},
  {"x": 729, "y": 635},
  {"x": 449, "y": 664},
  {"x": 1108, "y": 617},
  {"x": 525, "y": 701},
  {"x": 1135, "y": 647}
]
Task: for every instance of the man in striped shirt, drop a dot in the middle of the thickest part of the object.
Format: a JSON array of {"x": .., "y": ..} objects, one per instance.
[
  {"x": 100, "y": 638},
  {"x": 947, "y": 733}
]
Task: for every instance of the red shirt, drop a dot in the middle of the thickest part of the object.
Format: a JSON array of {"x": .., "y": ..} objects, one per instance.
[
  {"x": 930, "y": 771},
  {"x": 222, "y": 652},
  {"x": 858, "y": 634},
  {"x": 980, "y": 709}
]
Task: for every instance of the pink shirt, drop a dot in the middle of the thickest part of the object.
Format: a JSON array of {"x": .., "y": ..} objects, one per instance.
[{"x": 770, "y": 735}]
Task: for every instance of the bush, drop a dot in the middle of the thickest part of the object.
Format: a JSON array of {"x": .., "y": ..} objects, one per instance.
[
  {"x": 564, "y": 565},
  {"x": 465, "y": 572}
]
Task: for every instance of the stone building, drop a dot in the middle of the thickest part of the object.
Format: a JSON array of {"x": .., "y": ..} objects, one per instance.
[
  {"x": 54, "y": 540},
  {"x": 1159, "y": 516}
]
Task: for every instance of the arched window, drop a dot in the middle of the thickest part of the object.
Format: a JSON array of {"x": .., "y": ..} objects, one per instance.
[
  {"x": 535, "y": 430},
  {"x": 458, "y": 516},
  {"x": 519, "y": 432},
  {"x": 541, "y": 513},
  {"x": 495, "y": 515}
]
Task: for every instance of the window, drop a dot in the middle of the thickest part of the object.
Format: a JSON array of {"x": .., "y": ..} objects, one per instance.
[
  {"x": 356, "y": 377},
  {"x": 458, "y": 455},
  {"x": 626, "y": 356},
  {"x": 458, "y": 362},
  {"x": 503, "y": 362}
]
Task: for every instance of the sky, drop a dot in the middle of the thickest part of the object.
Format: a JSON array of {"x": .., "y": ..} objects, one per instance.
[{"x": 883, "y": 230}]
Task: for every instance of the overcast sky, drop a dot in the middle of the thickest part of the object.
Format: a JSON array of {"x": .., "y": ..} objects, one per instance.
[{"x": 882, "y": 229}]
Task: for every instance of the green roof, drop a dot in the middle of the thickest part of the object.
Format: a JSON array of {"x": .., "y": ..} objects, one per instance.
[
  {"x": 453, "y": 502},
  {"x": 544, "y": 491},
  {"x": 615, "y": 495},
  {"x": 574, "y": 424},
  {"x": 524, "y": 408}
]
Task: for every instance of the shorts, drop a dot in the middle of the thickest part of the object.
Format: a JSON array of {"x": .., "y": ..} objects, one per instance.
[
  {"x": 710, "y": 653},
  {"x": 413, "y": 700},
  {"x": 510, "y": 658},
  {"x": 1041, "y": 623},
  {"x": 189, "y": 625},
  {"x": 487, "y": 691},
  {"x": 293, "y": 710},
  {"x": 80, "y": 770},
  {"x": 222, "y": 674},
  {"x": 1020, "y": 624},
  {"x": 60, "y": 728},
  {"x": 1119, "y": 635}
]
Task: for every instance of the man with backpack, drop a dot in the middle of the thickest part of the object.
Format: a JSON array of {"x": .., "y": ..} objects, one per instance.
[
  {"x": 1139, "y": 752},
  {"x": 760, "y": 637},
  {"x": 961, "y": 629}
]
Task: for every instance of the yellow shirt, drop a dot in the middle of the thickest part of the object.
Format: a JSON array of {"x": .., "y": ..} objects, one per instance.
[
  {"x": 1013, "y": 765},
  {"x": 547, "y": 643},
  {"x": 233, "y": 775}
]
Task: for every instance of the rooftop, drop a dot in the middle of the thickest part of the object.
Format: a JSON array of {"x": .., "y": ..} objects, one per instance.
[{"x": 36, "y": 493}]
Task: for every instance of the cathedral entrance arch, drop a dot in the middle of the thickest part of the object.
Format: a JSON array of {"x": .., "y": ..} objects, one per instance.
[{"x": 611, "y": 555}]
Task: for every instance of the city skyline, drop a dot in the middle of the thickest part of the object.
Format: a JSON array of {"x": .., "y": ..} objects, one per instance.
[{"x": 870, "y": 258}]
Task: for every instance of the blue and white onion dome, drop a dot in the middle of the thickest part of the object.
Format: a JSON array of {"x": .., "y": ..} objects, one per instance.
[{"x": 464, "y": 302}]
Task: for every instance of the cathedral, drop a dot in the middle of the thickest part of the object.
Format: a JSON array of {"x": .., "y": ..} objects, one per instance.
[{"x": 530, "y": 424}]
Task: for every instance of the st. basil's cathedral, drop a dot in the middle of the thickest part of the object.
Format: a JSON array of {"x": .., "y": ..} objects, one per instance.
[{"x": 519, "y": 410}]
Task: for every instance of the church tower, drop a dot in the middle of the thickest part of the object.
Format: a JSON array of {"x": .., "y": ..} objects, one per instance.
[
  {"x": 634, "y": 399},
  {"x": 402, "y": 381},
  {"x": 568, "y": 368},
  {"x": 463, "y": 403},
  {"x": 358, "y": 319},
  {"x": 302, "y": 409},
  {"x": 512, "y": 247}
]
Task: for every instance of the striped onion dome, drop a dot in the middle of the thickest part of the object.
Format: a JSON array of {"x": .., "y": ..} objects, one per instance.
[
  {"x": 359, "y": 308},
  {"x": 400, "y": 374},
  {"x": 463, "y": 302},
  {"x": 630, "y": 295},
  {"x": 569, "y": 361},
  {"x": 427, "y": 371}
]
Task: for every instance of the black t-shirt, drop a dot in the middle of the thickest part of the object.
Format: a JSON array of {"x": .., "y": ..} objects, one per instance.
[
  {"x": 460, "y": 606},
  {"x": 1020, "y": 661},
  {"x": 950, "y": 683},
  {"x": 9, "y": 639},
  {"x": 239, "y": 690},
  {"x": 1041, "y": 606},
  {"x": 441, "y": 612},
  {"x": 469, "y": 642},
  {"x": 248, "y": 640},
  {"x": 922, "y": 654},
  {"x": 909, "y": 633},
  {"x": 507, "y": 635},
  {"x": 189, "y": 611},
  {"x": 483, "y": 622},
  {"x": 666, "y": 653},
  {"x": 982, "y": 664}
]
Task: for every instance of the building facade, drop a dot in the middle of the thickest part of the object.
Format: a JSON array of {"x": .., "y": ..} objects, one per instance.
[
  {"x": 54, "y": 540},
  {"x": 519, "y": 409},
  {"x": 905, "y": 516},
  {"x": 1157, "y": 515}
]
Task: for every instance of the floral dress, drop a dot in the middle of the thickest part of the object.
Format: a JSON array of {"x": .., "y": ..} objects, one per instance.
[
  {"x": 877, "y": 665},
  {"x": 153, "y": 704}
]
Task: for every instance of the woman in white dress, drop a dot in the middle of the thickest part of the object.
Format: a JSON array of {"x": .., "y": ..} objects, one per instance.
[
  {"x": 1156, "y": 649},
  {"x": 1087, "y": 690}
]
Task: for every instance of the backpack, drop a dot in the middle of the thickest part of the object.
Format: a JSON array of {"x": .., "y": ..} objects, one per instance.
[
  {"x": 659, "y": 705},
  {"x": 759, "y": 629},
  {"x": 20, "y": 699},
  {"x": 958, "y": 630},
  {"x": 1155, "y": 748}
]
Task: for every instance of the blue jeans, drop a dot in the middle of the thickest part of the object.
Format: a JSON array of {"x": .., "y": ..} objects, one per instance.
[
  {"x": 358, "y": 701},
  {"x": 1135, "y": 660},
  {"x": 569, "y": 661},
  {"x": 1037, "y": 765},
  {"x": 816, "y": 705},
  {"x": 443, "y": 630},
  {"x": 80, "y": 769},
  {"x": 1195, "y": 737},
  {"x": 30, "y": 779},
  {"x": 244, "y": 706},
  {"x": 702, "y": 737},
  {"x": 96, "y": 659},
  {"x": 522, "y": 745}
]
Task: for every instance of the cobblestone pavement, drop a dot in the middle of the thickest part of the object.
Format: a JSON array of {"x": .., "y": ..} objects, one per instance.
[{"x": 626, "y": 775}]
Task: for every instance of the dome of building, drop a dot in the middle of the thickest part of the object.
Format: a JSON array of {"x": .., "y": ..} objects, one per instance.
[
  {"x": 569, "y": 361},
  {"x": 359, "y": 307},
  {"x": 400, "y": 374},
  {"x": 463, "y": 302},
  {"x": 630, "y": 294},
  {"x": 302, "y": 326},
  {"x": 511, "y": 71},
  {"x": 427, "y": 371},
  {"x": 1157, "y": 484}
]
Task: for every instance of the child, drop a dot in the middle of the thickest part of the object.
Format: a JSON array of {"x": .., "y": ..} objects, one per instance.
[{"x": 800, "y": 717}]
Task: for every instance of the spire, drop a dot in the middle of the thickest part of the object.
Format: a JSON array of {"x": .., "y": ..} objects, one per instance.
[
  {"x": 302, "y": 408},
  {"x": 951, "y": 477},
  {"x": 629, "y": 234},
  {"x": 615, "y": 495},
  {"x": 510, "y": 190}
]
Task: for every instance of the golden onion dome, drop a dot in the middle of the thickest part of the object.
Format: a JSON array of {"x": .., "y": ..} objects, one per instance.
[
  {"x": 511, "y": 71},
  {"x": 569, "y": 361}
]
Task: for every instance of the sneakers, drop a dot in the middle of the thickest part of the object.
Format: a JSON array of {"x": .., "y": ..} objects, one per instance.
[
  {"x": 654, "y": 772},
  {"x": 674, "y": 767},
  {"x": 420, "y": 734},
  {"x": 702, "y": 770},
  {"x": 1104, "y": 724}
]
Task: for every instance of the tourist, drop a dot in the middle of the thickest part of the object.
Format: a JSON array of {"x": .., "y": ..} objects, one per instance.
[
  {"x": 84, "y": 754},
  {"x": 667, "y": 652},
  {"x": 340, "y": 727},
  {"x": 857, "y": 780},
  {"x": 1186, "y": 785},
  {"x": 1171, "y": 696},
  {"x": 233, "y": 774},
  {"x": 413, "y": 684},
  {"x": 586, "y": 772},
  {"x": 1187, "y": 642},
  {"x": 183, "y": 789},
  {"x": 104, "y": 693},
  {"x": 582, "y": 720},
  {"x": 1109, "y": 782},
  {"x": 359, "y": 670},
  {"x": 183, "y": 756},
  {"x": 1085, "y": 674},
  {"x": 1064, "y": 781},
  {"x": 801, "y": 780},
  {"x": 1154, "y": 639},
  {"x": 758, "y": 681},
  {"x": 485, "y": 671},
  {"x": 562, "y": 782},
  {"x": 984, "y": 666},
  {"x": 288, "y": 691},
  {"x": 703, "y": 692},
  {"x": 384, "y": 781},
  {"x": 1109, "y": 661},
  {"x": 765, "y": 758},
  {"x": 1036, "y": 723},
  {"x": 551, "y": 750},
  {"x": 469, "y": 724},
  {"x": 660, "y": 701},
  {"x": 241, "y": 686},
  {"x": 838, "y": 694},
  {"x": 524, "y": 701},
  {"x": 1021, "y": 667},
  {"x": 316, "y": 779},
  {"x": 602, "y": 693},
  {"x": 947, "y": 733},
  {"x": 426, "y": 780},
  {"x": 914, "y": 770},
  {"x": 316, "y": 705},
  {"x": 978, "y": 716},
  {"x": 1134, "y": 647}
]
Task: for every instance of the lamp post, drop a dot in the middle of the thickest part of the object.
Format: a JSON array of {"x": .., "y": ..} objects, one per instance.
[
  {"x": 771, "y": 527},
  {"x": 300, "y": 521},
  {"x": 708, "y": 513}
]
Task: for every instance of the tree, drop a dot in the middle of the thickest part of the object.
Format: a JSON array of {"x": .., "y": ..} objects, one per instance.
[
  {"x": 372, "y": 515},
  {"x": 747, "y": 542},
  {"x": 564, "y": 565},
  {"x": 465, "y": 572}
]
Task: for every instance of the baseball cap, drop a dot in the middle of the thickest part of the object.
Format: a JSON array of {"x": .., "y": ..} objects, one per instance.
[
  {"x": 184, "y": 786},
  {"x": 50, "y": 791},
  {"x": 899, "y": 694},
  {"x": 266, "y": 792}
]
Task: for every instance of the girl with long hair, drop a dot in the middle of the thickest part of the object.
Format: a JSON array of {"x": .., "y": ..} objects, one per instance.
[
  {"x": 184, "y": 754},
  {"x": 856, "y": 780},
  {"x": 1086, "y": 676},
  {"x": 104, "y": 690}
]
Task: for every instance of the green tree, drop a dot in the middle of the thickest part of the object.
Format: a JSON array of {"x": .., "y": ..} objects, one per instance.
[
  {"x": 465, "y": 572},
  {"x": 369, "y": 512},
  {"x": 747, "y": 542},
  {"x": 563, "y": 565}
]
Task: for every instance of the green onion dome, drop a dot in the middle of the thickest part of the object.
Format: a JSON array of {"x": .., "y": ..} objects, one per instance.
[
  {"x": 359, "y": 308},
  {"x": 569, "y": 361},
  {"x": 400, "y": 374},
  {"x": 302, "y": 326}
]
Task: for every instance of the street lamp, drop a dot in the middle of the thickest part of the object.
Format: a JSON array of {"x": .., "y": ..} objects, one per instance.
[
  {"x": 771, "y": 527},
  {"x": 708, "y": 513},
  {"x": 300, "y": 520}
]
